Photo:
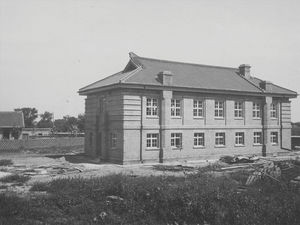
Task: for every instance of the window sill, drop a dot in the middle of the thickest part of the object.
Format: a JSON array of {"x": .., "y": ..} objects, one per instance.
[
  {"x": 220, "y": 146},
  {"x": 274, "y": 144},
  {"x": 219, "y": 118},
  {"x": 256, "y": 118},
  {"x": 257, "y": 144},
  {"x": 274, "y": 118},
  {"x": 239, "y": 145},
  {"x": 152, "y": 117},
  {"x": 175, "y": 117},
  {"x": 198, "y": 117},
  {"x": 198, "y": 147},
  {"x": 152, "y": 149},
  {"x": 239, "y": 118},
  {"x": 176, "y": 148}
]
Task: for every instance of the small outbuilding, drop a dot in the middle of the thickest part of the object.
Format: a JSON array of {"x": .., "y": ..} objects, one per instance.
[{"x": 11, "y": 125}]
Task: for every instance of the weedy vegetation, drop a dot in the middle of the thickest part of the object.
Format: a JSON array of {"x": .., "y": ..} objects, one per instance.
[
  {"x": 5, "y": 162},
  {"x": 198, "y": 198},
  {"x": 15, "y": 178}
]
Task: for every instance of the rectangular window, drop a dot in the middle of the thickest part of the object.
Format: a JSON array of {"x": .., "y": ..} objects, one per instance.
[
  {"x": 151, "y": 107},
  {"x": 113, "y": 140},
  {"x": 220, "y": 139},
  {"x": 256, "y": 110},
  {"x": 274, "y": 138},
  {"x": 176, "y": 140},
  {"x": 239, "y": 138},
  {"x": 198, "y": 108},
  {"x": 152, "y": 141},
  {"x": 257, "y": 140},
  {"x": 238, "y": 109},
  {"x": 219, "y": 109},
  {"x": 273, "y": 111},
  {"x": 198, "y": 139},
  {"x": 175, "y": 107}
]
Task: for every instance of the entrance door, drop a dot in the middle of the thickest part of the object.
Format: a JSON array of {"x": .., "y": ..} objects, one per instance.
[{"x": 99, "y": 144}]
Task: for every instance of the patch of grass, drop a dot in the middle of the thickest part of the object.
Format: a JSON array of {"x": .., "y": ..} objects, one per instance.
[
  {"x": 194, "y": 199},
  {"x": 15, "y": 178},
  {"x": 5, "y": 162}
]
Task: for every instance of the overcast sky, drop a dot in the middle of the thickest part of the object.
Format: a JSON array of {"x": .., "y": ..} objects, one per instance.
[{"x": 51, "y": 48}]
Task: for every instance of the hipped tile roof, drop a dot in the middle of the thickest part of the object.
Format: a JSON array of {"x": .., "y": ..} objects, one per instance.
[{"x": 144, "y": 71}]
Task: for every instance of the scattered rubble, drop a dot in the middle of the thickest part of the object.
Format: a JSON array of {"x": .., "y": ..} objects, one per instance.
[{"x": 239, "y": 159}]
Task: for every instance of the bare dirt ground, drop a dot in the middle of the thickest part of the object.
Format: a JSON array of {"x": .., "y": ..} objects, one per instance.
[{"x": 44, "y": 168}]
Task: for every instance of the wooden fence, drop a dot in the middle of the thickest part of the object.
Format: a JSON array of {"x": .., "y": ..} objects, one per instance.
[{"x": 41, "y": 143}]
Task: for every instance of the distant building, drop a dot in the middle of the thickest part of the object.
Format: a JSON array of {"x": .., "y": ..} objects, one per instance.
[
  {"x": 11, "y": 125},
  {"x": 156, "y": 110},
  {"x": 36, "y": 132}
]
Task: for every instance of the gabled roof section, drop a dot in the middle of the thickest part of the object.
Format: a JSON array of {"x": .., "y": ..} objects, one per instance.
[
  {"x": 11, "y": 119},
  {"x": 144, "y": 71}
]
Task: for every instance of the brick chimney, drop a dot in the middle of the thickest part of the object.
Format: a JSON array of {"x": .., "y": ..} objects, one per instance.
[
  {"x": 165, "y": 77},
  {"x": 244, "y": 70},
  {"x": 266, "y": 85}
]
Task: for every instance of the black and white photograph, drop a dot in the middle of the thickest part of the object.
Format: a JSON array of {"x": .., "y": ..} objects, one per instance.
[{"x": 139, "y": 112}]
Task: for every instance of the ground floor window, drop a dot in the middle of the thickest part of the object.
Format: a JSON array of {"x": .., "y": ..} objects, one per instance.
[
  {"x": 274, "y": 137},
  {"x": 257, "y": 140},
  {"x": 239, "y": 138},
  {"x": 152, "y": 140},
  {"x": 220, "y": 139},
  {"x": 113, "y": 140},
  {"x": 176, "y": 140},
  {"x": 198, "y": 139}
]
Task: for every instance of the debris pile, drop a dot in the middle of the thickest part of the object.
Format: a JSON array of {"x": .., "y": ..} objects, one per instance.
[{"x": 239, "y": 159}]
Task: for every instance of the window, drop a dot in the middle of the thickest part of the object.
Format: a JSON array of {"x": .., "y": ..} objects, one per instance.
[
  {"x": 152, "y": 140},
  {"x": 239, "y": 138},
  {"x": 273, "y": 111},
  {"x": 198, "y": 108},
  {"x": 176, "y": 140},
  {"x": 151, "y": 107},
  {"x": 256, "y": 110},
  {"x": 113, "y": 140},
  {"x": 257, "y": 138},
  {"x": 175, "y": 107},
  {"x": 274, "y": 137},
  {"x": 198, "y": 139},
  {"x": 220, "y": 139},
  {"x": 238, "y": 109},
  {"x": 219, "y": 109}
]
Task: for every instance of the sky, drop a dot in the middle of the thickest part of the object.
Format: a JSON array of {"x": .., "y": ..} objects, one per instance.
[{"x": 51, "y": 48}]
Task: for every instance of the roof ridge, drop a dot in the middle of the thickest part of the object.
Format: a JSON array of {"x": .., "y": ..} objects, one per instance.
[
  {"x": 105, "y": 78},
  {"x": 186, "y": 63}
]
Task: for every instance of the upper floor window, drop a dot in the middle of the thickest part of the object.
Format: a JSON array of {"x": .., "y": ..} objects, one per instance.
[
  {"x": 257, "y": 140},
  {"x": 198, "y": 139},
  {"x": 273, "y": 111},
  {"x": 239, "y": 138},
  {"x": 219, "y": 109},
  {"x": 198, "y": 108},
  {"x": 175, "y": 107},
  {"x": 238, "y": 109},
  {"x": 274, "y": 138},
  {"x": 151, "y": 107},
  {"x": 176, "y": 140},
  {"x": 256, "y": 110},
  {"x": 152, "y": 140},
  {"x": 113, "y": 140},
  {"x": 220, "y": 139}
]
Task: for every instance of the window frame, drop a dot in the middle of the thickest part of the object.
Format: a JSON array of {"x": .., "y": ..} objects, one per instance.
[
  {"x": 150, "y": 139},
  {"x": 238, "y": 111},
  {"x": 198, "y": 111},
  {"x": 257, "y": 139},
  {"x": 217, "y": 139},
  {"x": 175, "y": 108},
  {"x": 113, "y": 140},
  {"x": 274, "y": 134},
  {"x": 273, "y": 111},
  {"x": 174, "y": 138},
  {"x": 152, "y": 107},
  {"x": 219, "y": 110},
  {"x": 256, "y": 110},
  {"x": 239, "y": 139},
  {"x": 199, "y": 137}
]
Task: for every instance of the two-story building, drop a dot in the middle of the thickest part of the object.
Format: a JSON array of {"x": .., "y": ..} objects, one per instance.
[{"x": 156, "y": 110}]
